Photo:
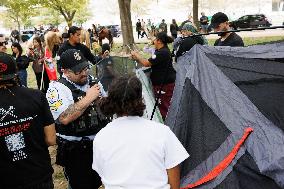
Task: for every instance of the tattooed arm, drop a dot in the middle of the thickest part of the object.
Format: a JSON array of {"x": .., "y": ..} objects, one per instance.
[{"x": 77, "y": 109}]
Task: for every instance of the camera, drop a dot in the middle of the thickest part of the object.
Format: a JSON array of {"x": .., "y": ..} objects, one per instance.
[{"x": 92, "y": 80}]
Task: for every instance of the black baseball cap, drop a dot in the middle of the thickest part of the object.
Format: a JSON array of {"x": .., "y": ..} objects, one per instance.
[
  {"x": 217, "y": 19},
  {"x": 74, "y": 60},
  {"x": 8, "y": 68},
  {"x": 73, "y": 29}
]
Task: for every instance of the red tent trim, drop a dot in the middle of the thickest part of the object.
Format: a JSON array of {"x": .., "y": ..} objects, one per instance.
[{"x": 223, "y": 164}]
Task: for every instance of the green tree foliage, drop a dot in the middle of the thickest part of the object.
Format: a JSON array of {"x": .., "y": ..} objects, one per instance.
[
  {"x": 19, "y": 12},
  {"x": 50, "y": 16},
  {"x": 82, "y": 16},
  {"x": 67, "y": 8}
]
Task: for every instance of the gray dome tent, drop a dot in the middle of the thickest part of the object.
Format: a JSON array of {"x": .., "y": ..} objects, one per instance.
[{"x": 228, "y": 111}]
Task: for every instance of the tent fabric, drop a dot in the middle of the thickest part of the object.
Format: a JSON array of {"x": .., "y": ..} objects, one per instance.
[
  {"x": 269, "y": 51},
  {"x": 219, "y": 92},
  {"x": 217, "y": 170},
  {"x": 148, "y": 96}
]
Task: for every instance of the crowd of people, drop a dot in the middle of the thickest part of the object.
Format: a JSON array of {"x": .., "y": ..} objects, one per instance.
[{"x": 97, "y": 125}]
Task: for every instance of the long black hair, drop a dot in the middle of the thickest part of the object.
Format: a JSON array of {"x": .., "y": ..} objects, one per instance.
[{"x": 19, "y": 47}]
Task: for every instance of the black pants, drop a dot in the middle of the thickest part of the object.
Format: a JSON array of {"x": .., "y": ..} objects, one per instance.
[
  {"x": 45, "y": 81},
  {"x": 78, "y": 167},
  {"x": 143, "y": 33},
  {"x": 46, "y": 184},
  {"x": 139, "y": 33}
]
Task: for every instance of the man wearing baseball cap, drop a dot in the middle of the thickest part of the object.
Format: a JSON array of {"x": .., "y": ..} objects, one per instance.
[
  {"x": 220, "y": 23},
  {"x": 71, "y": 100},
  {"x": 26, "y": 130}
]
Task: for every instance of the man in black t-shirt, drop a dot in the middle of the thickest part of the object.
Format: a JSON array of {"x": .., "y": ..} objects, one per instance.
[
  {"x": 74, "y": 43},
  {"x": 219, "y": 22},
  {"x": 26, "y": 130}
]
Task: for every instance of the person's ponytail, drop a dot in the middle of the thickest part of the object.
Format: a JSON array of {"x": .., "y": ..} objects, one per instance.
[
  {"x": 169, "y": 39},
  {"x": 164, "y": 38}
]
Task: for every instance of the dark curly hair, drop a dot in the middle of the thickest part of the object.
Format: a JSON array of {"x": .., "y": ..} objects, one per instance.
[{"x": 124, "y": 98}]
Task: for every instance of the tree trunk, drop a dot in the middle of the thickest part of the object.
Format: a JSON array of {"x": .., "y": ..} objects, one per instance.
[
  {"x": 19, "y": 26},
  {"x": 69, "y": 23},
  {"x": 195, "y": 13},
  {"x": 126, "y": 23},
  {"x": 67, "y": 16},
  {"x": 19, "y": 29}
]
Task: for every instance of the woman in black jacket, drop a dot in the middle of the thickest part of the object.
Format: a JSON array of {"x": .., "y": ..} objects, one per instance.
[{"x": 22, "y": 62}]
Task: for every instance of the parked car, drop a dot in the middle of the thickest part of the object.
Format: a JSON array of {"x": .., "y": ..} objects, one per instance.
[
  {"x": 115, "y": 30},
  {"x": 27, "y": 34},
  {"x": 251, "y": 21}
]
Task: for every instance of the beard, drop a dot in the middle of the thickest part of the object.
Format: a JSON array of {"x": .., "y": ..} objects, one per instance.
[{"x": 82, "y": 81}]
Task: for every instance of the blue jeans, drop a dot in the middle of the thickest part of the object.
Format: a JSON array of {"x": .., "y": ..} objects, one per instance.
[{"x": 23, "y": 77}]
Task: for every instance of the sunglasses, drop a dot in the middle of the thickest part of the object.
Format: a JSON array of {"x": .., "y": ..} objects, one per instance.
[
  {"x": 3, "y": 43},
  {"x": 82, "y": 71}
]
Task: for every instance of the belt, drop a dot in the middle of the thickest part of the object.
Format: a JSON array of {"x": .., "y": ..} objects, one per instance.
[{"x": 75, "y": 138}]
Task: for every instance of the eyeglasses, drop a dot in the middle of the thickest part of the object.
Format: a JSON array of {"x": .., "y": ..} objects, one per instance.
[{"x": 3, "y": 43}]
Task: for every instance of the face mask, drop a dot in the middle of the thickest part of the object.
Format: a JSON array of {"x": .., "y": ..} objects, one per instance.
[{"x": 222, "y": 34}]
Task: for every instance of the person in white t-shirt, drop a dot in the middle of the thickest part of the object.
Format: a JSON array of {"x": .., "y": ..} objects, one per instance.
[{"x": 132, "y": 152}]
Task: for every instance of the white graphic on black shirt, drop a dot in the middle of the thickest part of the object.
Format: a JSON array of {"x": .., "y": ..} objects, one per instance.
[
  {"x": 12, "y": 128},
  {"x": 15, "y": 143},
  {"x": 4, "y": 112}
]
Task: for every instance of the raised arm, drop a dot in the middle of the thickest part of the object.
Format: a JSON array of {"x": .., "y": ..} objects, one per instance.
[
  {"x": 77, "y": 109},
  {"x": 136, "y": 56}
]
